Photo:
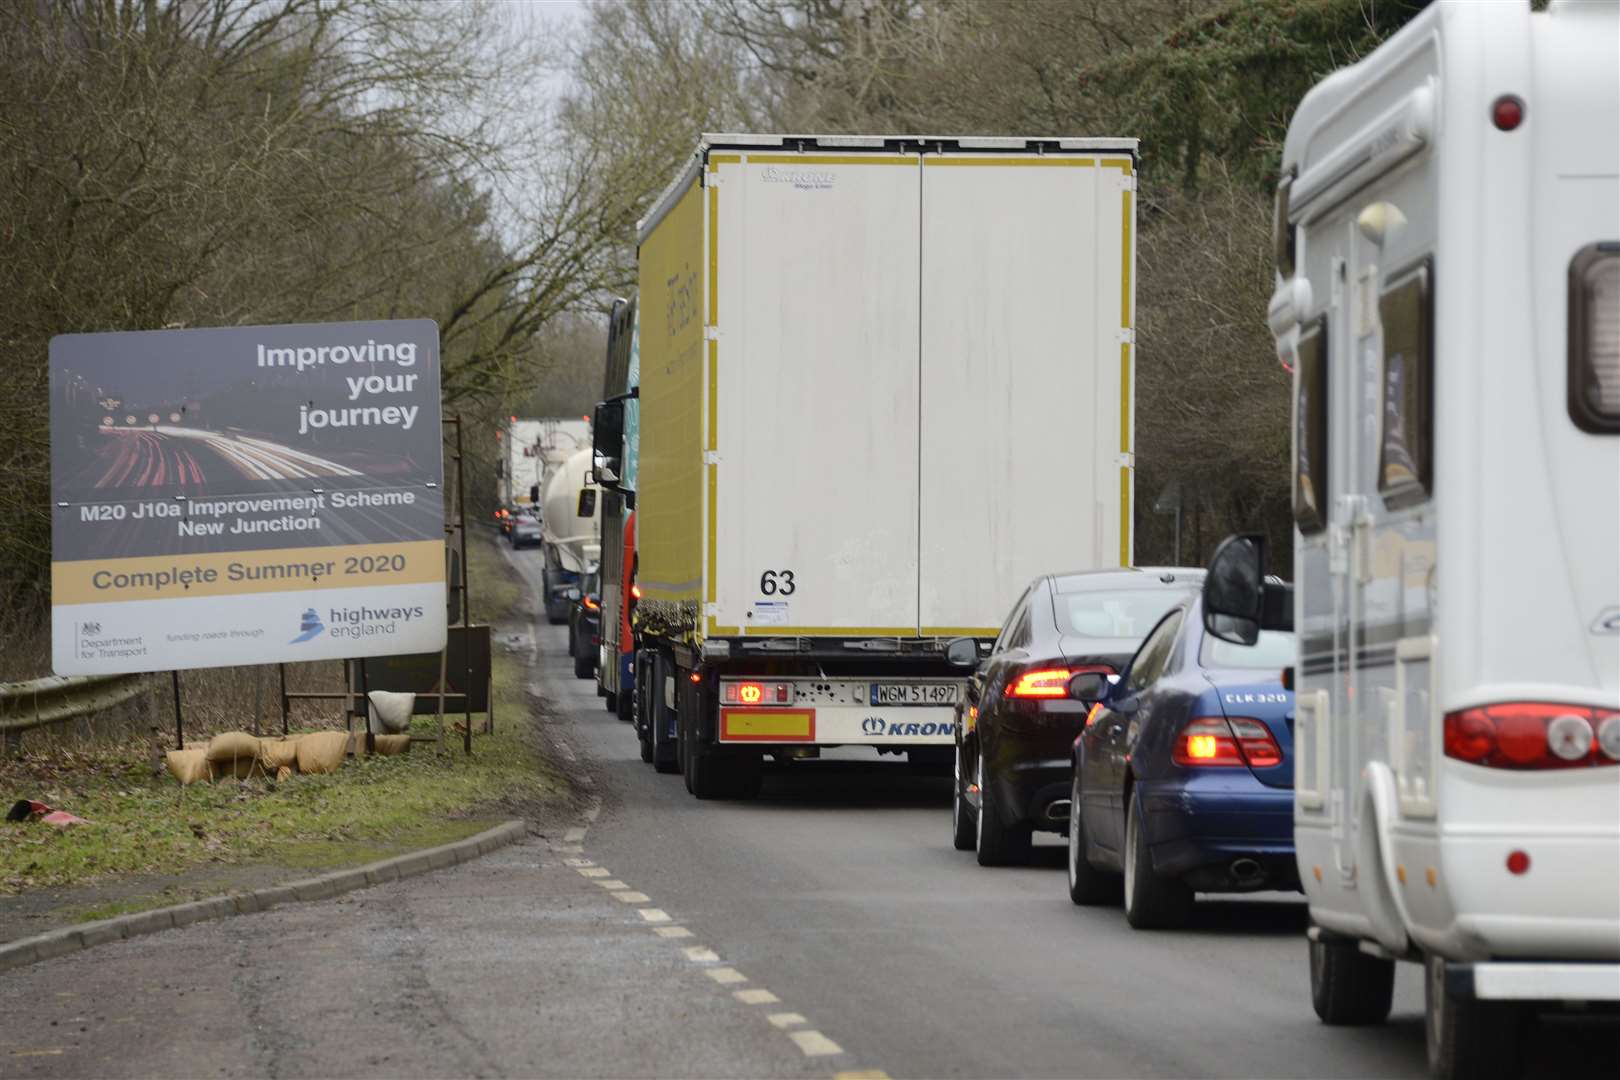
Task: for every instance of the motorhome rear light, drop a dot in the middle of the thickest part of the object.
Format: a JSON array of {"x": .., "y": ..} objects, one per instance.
[
  {"x": 1507, "y": 112},
  {"x": 1207, "y": 741},
  {"x": 1533, "y": 735},
  {"x": 1518, "y": 862},
  {"x": 1041, "y": 683}
]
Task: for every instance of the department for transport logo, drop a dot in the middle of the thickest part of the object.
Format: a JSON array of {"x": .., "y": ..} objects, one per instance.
[{"x": 309, "y": 626}]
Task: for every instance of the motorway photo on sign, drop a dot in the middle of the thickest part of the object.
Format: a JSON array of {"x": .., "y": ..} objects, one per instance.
[{"x": 245, "y": 495}]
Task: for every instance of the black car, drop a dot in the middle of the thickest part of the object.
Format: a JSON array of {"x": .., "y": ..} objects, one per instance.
[
  {"x": 1015, "y": 732},
  {"x": 585, "y": 625},
  {"x": 1183, "y": 778}
]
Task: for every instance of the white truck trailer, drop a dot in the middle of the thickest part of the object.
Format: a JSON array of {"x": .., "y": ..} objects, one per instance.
[
  {"x": 534, "y": 447},
  {"x": 884, "y": 383},
  {"x": 1448, "y": 297},
  {"x": 570, "y": 532}
]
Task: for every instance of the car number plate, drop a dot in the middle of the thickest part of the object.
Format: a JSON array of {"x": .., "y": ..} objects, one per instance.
[{"x": 916, "y": 693}]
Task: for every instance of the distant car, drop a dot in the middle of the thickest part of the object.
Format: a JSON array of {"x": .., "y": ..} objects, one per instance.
[
  {"x": 524, "y": 531},
  {"x": 1015, "y": 731},
  {"x": 1183, "y": 779},
  {"x": 585, "y": 625}
]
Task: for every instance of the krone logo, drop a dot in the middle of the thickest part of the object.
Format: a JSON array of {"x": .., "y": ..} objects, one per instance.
[{"x": 872, "y": 725}]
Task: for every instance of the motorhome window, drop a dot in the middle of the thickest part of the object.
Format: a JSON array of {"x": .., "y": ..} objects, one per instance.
[
  {"x": 1594, "y": 338},
  {"x": 1406, "y": 443},
  {"x": 1310, "y": 428}
]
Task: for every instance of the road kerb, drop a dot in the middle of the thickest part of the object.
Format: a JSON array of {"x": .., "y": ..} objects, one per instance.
[{"x": 70, "y": 939}]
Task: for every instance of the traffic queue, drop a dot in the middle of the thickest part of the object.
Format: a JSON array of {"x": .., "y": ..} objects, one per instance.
[{"x": 1422, "y": 738}]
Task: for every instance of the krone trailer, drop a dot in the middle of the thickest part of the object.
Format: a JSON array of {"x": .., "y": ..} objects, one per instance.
[{"x": 884, "y": 383}]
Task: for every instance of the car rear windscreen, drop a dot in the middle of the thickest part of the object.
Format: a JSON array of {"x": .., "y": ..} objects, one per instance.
[{"x": 1119, "y": 613}]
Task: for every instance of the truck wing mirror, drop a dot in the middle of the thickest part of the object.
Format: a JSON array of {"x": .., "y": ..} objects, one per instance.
[
  {"x": 607, "y": 442},
  {"x": 1238, "y": 600},
  {"x": 587, "y": 503}
]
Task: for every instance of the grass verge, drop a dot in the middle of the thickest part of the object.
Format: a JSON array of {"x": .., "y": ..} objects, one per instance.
[{"x": 371, "y": 808}]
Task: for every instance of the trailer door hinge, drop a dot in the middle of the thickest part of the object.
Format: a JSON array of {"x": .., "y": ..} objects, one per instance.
[
  {"x": 711, "y": 333},
  {"x": 1126, "y": 460},
  {"x": 711, "y": 457},
  {"x": 1127, "y": 335}
]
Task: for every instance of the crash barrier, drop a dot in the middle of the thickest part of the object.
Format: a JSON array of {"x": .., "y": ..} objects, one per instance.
[{"x": 55, "y": 699}]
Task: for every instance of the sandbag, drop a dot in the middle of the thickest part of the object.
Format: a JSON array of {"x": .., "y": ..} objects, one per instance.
[
  {"x": 322, "y": 752},
  {"x": 275, "y": 754},
  {"x": 391, "y": 711},
  {"x": 357, "y": 744},
  {"x": 231, "y": 745},
  {"x": 284, "y": 773},
  {"x": 392, "y": 744},
  {"x": 189, "y": 766}
]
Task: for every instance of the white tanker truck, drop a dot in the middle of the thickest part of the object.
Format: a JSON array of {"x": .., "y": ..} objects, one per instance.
[{"x": 570, "y": 531}]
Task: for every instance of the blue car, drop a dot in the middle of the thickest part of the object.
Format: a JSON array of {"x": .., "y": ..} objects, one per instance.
[{"x": 1183, "y": 775}]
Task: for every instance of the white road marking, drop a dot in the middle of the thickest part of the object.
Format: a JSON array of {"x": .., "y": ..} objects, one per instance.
[
  {"x": 593, "y": 810},
  {"x": 756, "y": 996},
  {"x": 726, "y": 975},
  {"x": 672, "y": 931},
  {"x": 610, "y": 884},
  {"x": 702, "y": 954},
  {"x": 574, "y": 835},
  {"x": 815, "y": 1044},
  {"x": 595, "y": 871},
  {"x": 578, "y": 862},
  {"x": 566, "y": 849},
  {"x": 630, "y": 896},
  {"x": 652, "y": 914},
  {"x": 786, "y": 1020}
]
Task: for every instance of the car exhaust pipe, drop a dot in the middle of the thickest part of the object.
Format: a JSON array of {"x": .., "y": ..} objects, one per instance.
[
  {"x": 1246, "y": 871},
  {"x": 1057, "y": 810}
]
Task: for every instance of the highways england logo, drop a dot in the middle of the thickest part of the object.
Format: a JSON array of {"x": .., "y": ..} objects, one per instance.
[{"x": 309, "y": 626}]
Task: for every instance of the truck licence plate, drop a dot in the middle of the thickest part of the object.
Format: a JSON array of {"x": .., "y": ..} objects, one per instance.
[{"x": 916, "y": 693}]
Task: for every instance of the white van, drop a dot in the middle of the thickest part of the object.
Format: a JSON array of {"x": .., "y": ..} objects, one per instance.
[{"x": 1448, "y": 299}]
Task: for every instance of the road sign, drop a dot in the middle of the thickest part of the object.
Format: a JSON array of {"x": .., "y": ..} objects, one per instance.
[{"x": 245, "y": 495}]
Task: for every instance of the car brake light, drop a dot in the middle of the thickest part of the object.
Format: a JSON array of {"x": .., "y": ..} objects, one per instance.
[
  {"x": 1533, "y": 735},
  {"x": 1050, "y": 682},
  {"x": 1217, "y": 741},
  {"x": 591, "y": 605}
]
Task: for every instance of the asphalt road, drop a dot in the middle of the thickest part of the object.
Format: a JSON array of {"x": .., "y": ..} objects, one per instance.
[{"x": 826, "y": 928}]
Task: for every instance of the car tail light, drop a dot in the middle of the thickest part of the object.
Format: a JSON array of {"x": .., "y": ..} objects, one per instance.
[
  {"x": 1216, "y": 741},
  {"x": 1049, "y": 682},
  {"x": 591, "y": 605},
  {"x": 753, "y": 693},
  {"x": 635, "y": 592},
  {"x": 1533, "y": 735}
]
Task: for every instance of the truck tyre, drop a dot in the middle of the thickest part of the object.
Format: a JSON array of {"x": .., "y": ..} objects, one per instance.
[
  {"x": 664, "y": 759},
  {"x": 582, "y": 666},
  {"x": 639, "y": 711},
  {"x": 625, "y": 707},
  {"x": 1468, "y": 1038},
  {"x": 1348, "y": 987},
  {"x": 610, "y": 700},
  {"x": 997, "y": 843},
  {"x": 1088, "y": 886},
  {"x": 1151, "y": 902},
  {"x": 961, "y": 812}
]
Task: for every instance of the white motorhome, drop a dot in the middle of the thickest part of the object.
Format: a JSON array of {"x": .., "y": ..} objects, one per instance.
[{"x": 1448, "y": 298}]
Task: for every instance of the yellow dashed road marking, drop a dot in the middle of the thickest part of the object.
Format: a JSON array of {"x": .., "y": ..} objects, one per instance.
[{"x": 815, "y": 1044}]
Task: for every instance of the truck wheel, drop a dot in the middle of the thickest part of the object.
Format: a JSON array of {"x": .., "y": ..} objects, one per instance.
[
  {"x": 1468, "y": 1038},
  {"x": 1088, "y": 885},
  {"x": 610, "y": 700},
  {"x": 961, "y": 812},
  {"x": 582, "y": 666},
  {"x": 997, "y": 843},
  {"x": 1348, "y": 987},
  {"x": 664, "y": 748},
  {"x": 638, "y": 716},
  {"x": 625, "y": 706},
  {"x": 1151, "y": 902}
]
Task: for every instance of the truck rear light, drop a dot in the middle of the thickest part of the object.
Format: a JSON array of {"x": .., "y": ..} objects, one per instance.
[
  {"x": 1050, "y": 682},
  {"x": 753, "y": 693},
  {"x": 1217, "y": 742},
  {"x": 1533, "y": 735}
]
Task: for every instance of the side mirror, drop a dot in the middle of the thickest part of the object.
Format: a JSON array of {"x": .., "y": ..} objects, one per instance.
[
  {"x": 1089, "y": 687},
  {"x": 1238, "y": 600},
  {"x": 607, "y": 442},
  {"x": 962, "y": 652},
  {"x": 587, "y": 503}
]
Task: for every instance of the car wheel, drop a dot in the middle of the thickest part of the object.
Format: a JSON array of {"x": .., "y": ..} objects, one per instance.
[
  {"x": 1348, "y": 987},
  {"x": 1151, "y": 902},
  {"x": 961, "y": 813},
  {"x": 1468, "y": 1038},
  {"x": 1087, "y": 885},
  {"x": 997, "y": 843}
]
